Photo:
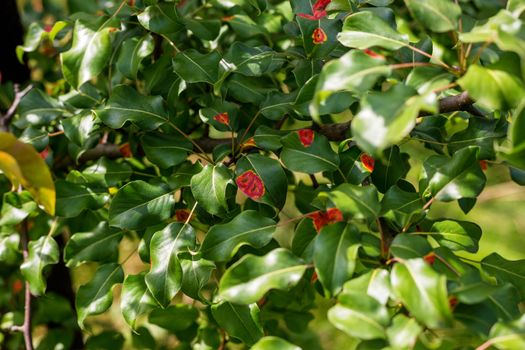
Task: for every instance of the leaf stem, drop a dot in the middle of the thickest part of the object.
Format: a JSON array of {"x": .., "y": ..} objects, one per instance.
[
  {"x": 447, "y": 264},
  {"x": 187, "y": 137},
  {"x": 429, "y": 203},
  {"x": 241, "y": 140},
  {"x": 421, "y": 52}
]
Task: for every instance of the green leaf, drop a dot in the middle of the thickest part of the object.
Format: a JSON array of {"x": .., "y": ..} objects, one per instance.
[
  {"x": 304, "y": 240},
  {"x": 165, "y": 150},
  {"x": 251, "y": 61},
  {"x": 248, "y": 228},
  {"x": 42, "y": 252},
  {"x": 126, "y": 104},
  {"x": 365, "y": 29},
  {"x": 174, "y": 318},
  {"x": 164, "y": 278},
  {"x": 32, "y": 39},
  {"x": 355, "y": 72},
  {"x": 360, "y": 316},
  {"x": 133, "y": 51},
  {"x": 271, "y": 343},
  {"x": 194, "y": 67},
  {"x": 247, "y": 280},
  {"x": 240, "y": 321},
  {"x": 403, "y": 332},
  {"x": 480, "y": 132},
  {"x": 423, "y": 292},
  {"x": 99, "y": 245},
  {"x": 139, "y": 205},
  {"x": 437, "y": 15},
  {"x": 492, "y": 88},
  {"x": 508, "y": 336},
  {"x": 161, "y": 18},
  {"x": 22, "y": 165},
  {"x": 390, "y": 169},
  {"x": 447, "y": 179},
  {"x": 16, "y": 207},
  {"x": 90, "y": 52},
  {"x": 386, "y": 118},
  {"x": 310, "y": 159},
  {"x": 506, "y": 270},
  {"x": 272, "y": 175},
  {"x": 72, "y": 199},
  {"x": 195, "y": 275},
  {"x": 409, "y": 246},
  {"x": 360, "y": 202},
  {"x": 96, "y": 296},
  {"x": 136, "y": 299},
  {"x": 79, "y": 127},
  {"x": 515, "y": 152},
  {"x": 457, "y": 235},
  {"x": 203, "y": 29},
  {"x": 333, "y": 263},
  {"x": 209, "y": 187},
  {"x": 401, "y": 208},
  {"x": 110, "y": 172}
]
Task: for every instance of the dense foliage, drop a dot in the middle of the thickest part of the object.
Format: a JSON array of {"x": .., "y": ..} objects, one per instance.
[{"x": 254, "y": 154}]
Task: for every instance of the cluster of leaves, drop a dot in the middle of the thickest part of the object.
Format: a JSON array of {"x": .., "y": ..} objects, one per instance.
[{"x": 186, "y": 127}]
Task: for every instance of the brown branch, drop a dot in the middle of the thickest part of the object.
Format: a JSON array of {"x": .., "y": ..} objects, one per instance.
[
  {"x": 26, "y": 327},
  {"x": 5, "y": 119},
  {"x": 334, "y": 132}
]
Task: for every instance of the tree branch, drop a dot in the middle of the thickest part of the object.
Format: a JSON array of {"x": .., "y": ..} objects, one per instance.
[
  {"x": 5, "y": 119},
  {"x": 334, "y": 132}
]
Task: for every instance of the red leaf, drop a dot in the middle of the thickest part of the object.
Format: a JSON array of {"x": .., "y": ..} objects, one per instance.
[
  {"x": 248, "y": 144},
  {"x": 483, "y": 164},
  {"x": 125, "y": 150},
  {"x": 430, "y": 258},
  {"x": 314, "y": 277},
  {"x": 373, "y": 54},
  {"x": 222, "y": 118},
  {"x": 321, "y": 218},
  {"x": 48, "y": 28},
  {"x": 319, "y": 36},
  {"x": 367, "y": 161},
  {"x": 182, "y": 215},
  {"x": 307, "y": 16},
  {"x": 17, "y": 286},
  {"x": 452, "y": 301},
  {"x": 320, "y": 5},
  {"x": 319, "y": 10},
  {"x": 306, "y": 136},
  {"x": 251, "y": 184},
  {"x": 44, "y": 153}
]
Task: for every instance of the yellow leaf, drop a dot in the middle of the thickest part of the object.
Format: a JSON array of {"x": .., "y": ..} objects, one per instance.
[{"x": 22, "y": 165}]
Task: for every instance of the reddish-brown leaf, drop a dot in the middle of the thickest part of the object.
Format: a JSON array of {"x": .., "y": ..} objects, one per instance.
[
  {"x": 323, "y": 218},
  {"x": 251, "y": 184},
  {"x": 319, "y": 36},
  {"x": 367, "y": 161},
  {"x": 222, "y": 118},
  {"x": 182, "y": 215},
  {"x": 306, "y": 136},
  {"x": 125, "y": 150}
]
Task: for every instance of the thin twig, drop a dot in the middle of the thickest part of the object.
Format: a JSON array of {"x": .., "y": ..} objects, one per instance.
[
  {"x": 26, "y": 327},
  {"x": 6, "y": 118}
]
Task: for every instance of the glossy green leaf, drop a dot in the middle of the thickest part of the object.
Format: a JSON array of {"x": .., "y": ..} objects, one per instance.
[
  {"x": 248, "y": 228},
  {"x": 16, "y": 207},
  {"x": 72, "y": 198},
  {"x": 480, "y": 132},
  {"x": 252, "y": 276},
  {"x": 403, "y": 332},
  {"x": 37, "y": 108},
  {"x": 240, "y": 321},
  {"x": 272, "y": 175},
  {"x": 99, "y": 245},
  {"x": 365, "y": 29},
  {"x": 251, "y": 61},
  {"x": 204, "y": 29},
  {"x": 96, "y": 296},
  {"x": 304, "y": 240},
  {"x": 79, "y": 127},
  {"x": 111, "y": 173},
  {"x": 164, "y": 278},
  {"x": 423, "y": 292},
  {"x": 508, "y": 336},
  {"x": 195, "y": 275},
  {"x": 136, "y": 299},
  {"x": 447, "y": 179},
  {"x": 133, "y": 51},
  {"x": 209, "y": 187},
  {"x": 194, "y": 67},
  {"x": 409, "y": 246},
  {"x": 89, "y": 53},
  {"x": 332, "y": 259},
  {"x": 174, "y": 318},
  {"x": 355, "y": 72},
  {"x": 316, "y": 157},
  {"x": 161, "y": 18},
  {"x": 436, "y": 15},
  {"x": 506, "y": 270},
  {"x": 360, "y": 202},
  {"x": 271, "y": 342},
  {"x": 139, "y": 205},
  {"x": 360, "y": 316},
  {"x": 165, "y": 150},
  {"x": 401, "y": 208},
  {"x": 492, "y": 88},
  {"x": 386, "y": 118},
  {"x": 457, "y": 235},
  {"x": 42, "y": 252},
  {"x": 126, "y": 104},
  {"x": 392, "y": 167}
]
